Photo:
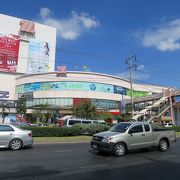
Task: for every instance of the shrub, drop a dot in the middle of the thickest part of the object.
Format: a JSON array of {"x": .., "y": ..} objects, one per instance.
[
  {"x": 53, "y": 131},
  {"x": 96, "y": 128},
  {"x": 176, "y": 128},
  {"x": 82, "y": 128},
  {"x": 91, "y": 129},
  {"x": 88, "y": 129}
]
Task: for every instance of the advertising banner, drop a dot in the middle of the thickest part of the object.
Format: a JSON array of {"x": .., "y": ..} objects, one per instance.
[
  {"x": 9, "y": 49},
  {"x": 38, "y": 56},
  {"x": 77, "y": 86}
]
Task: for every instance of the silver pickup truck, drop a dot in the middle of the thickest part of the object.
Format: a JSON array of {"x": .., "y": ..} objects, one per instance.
[{"x": 132, "y": 135}]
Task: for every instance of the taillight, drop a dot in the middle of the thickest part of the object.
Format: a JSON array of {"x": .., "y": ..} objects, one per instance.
[{"x": 30, "y": 134}]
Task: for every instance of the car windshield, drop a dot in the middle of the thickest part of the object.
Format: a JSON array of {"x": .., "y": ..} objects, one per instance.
[{"x": 121, "y": 127}]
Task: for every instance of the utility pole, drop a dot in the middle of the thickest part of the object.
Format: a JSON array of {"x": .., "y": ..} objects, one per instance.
[{"x": 131, "y": 61}]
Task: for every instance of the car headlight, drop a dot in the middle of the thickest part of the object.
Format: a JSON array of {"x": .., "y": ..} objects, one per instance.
[{"x": 107, "y": 139}]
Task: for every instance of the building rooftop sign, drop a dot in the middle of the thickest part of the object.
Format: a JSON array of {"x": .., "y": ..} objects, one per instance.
[
  {"x": 61, "y": 71},
  {"x": 27, "y": 29}
]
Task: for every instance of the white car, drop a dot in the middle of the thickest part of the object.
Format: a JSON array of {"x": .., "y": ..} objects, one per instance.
[
  {"x": 168, "y": 125},
  {"x": 14, "y": 137}
]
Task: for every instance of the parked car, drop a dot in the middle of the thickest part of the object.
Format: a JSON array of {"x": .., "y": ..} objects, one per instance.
[
  {"x": 71, "y": 122},
  {"x": 14, "y": 137},
  {"x": 43, "y": 125},
  {"x": 168, "y": 125},
  {"x": 132, "y": 135},
  {"x": 34, "y": 125}
]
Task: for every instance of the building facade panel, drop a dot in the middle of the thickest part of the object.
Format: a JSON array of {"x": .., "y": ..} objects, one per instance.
[{"x": 101, "y": 89}]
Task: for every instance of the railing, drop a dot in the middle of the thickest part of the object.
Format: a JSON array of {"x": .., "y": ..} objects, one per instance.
[{"x": 156, "y": 114}]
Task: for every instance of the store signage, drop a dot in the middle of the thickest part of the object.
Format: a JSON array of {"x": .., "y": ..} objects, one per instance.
[
  {"x": 28, "y": 95},
  {"x": 77, "y": 86},
  {"x": 4, "y": 94},
  {"x": 61, "y": 69},
  {"x": 119, "y": 90},
  {"x": 27, "y": 29}
]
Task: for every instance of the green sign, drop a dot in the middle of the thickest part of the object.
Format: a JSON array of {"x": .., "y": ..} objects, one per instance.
[{"x": 136, "y": 93}]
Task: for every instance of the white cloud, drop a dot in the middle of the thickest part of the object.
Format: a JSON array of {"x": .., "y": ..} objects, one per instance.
[
  {"x": 140, "y": 74},
  {"x": 165, "y": 37},
  {"x": 45, "y": 12},
  {"x": 70, "y": 28}
]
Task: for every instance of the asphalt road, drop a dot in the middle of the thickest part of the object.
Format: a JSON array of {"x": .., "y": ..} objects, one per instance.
[{"x": 78, "y": 161}]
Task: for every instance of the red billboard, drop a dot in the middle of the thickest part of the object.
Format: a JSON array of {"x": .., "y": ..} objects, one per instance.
[{"x": 9, "y": 49}]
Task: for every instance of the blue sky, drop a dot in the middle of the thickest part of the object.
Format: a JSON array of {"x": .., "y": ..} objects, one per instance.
[{"x": 99, "y": 35}]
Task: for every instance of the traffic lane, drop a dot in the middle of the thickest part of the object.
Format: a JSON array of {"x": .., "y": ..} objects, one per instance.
[
  {"x": 70, "y": 160},
  {"x": 78, "y": 153},
  {"x": 156, "y": 170}
]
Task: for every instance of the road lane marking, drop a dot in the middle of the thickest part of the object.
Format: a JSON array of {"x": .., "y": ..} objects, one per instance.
[{"x": 63, "y": 150}]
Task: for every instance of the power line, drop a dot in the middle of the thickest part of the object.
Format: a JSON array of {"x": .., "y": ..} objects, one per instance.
[
  {"x": 67, "y": 62},
  {"x": 160, "y": 75},
  {"x": 160, "y": 68}
]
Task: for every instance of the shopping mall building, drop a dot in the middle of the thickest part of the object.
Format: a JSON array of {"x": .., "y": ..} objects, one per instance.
[{"x": 27, "y": 64}]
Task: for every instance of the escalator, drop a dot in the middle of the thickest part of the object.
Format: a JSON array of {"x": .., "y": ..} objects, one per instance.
[{"x": 154, "y": 111}]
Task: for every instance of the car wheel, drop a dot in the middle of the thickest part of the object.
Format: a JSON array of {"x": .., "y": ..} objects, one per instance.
[
  {"x": 120, "y": 149},
  {"x": 163, "y": 145},
  {"x": 15, "y": 144}
]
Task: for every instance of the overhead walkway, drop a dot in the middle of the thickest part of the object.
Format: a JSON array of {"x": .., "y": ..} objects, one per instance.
[{"x": 154, "y": 111}]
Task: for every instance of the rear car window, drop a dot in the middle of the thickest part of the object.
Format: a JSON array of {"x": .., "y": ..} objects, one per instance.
[
  {"x": 5, "y": 128},
  {"x": 146, "y": 127}
]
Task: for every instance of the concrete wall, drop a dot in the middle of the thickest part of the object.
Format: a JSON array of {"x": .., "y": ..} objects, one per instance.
[{"x": 7, "y": 83}]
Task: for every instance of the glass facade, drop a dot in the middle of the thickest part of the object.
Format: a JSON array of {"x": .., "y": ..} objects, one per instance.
[
  {"x": 105, "y": 104},
  {"x": 61, "y": 102},
  {"x": 68, "y": 102}
]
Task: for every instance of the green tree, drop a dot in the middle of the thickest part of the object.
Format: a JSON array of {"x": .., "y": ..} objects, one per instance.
[
  {"x": 21, "y": 106},
  {"x": 85, "y": 111},
  {"x": 41, "y": 111},
  {"x": 105, "y": 116}
]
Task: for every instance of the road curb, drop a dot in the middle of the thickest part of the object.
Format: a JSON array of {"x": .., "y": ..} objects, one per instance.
[{"x": 71, "y": 142}]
